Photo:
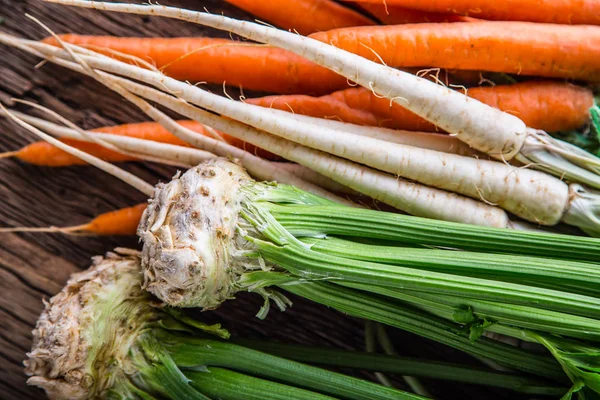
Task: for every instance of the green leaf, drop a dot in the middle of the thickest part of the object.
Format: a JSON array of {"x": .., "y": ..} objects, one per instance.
[
  {"x": 477, "y": 329},
  {"x": 580, "y": 361},
  {"x": 577, "y": 386},
  {"x": 595, "y": 114},
  {"x": 475, "y": 326},
  {"x": 464, "y": 315},
  {"x": 182, "y": 317}
]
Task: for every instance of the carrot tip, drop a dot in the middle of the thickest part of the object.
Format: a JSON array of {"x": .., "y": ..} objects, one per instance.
[
  {"x": 70, "y": 230},
  {"x": 9, "y": 154}
]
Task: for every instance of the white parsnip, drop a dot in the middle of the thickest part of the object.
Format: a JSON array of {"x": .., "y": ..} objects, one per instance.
[
  {"x": 315, "y": 178},
  {"x": 148, "y": 150},
  {"x": 117, "y": 172},
  {"x": 499, "y": 134},
  {"x": 169, "y": 154},
  {"x": 181, "y": 156},
  {"x": 452, "y": 111},
  {"x": 425, "y": 140},
  {"x": 532, "y": 195},
  {"x": 256, "y": 166},
  {"x": 410, "y": 197}
]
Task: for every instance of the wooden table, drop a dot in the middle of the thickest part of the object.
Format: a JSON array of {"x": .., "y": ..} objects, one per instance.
[{"x": 36, "y": 266}]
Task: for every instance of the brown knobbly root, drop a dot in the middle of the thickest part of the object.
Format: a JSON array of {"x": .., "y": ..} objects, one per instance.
[
  {"x": 70, "y": 358},
  {"x": 189, "y": 232}
]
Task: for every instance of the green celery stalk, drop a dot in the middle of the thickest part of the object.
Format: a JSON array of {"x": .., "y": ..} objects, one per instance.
[
  {"x": 103, "y": 337},
  {"x": 195, "y": 352},
  {"x": 403, "y": 230},
  {"x": 468, "y": 311},
  {"x": 507, "y": 267},
  {"x": 208, "y": 233},
  {"x": 279, "y": 247},
  {"x": 223, "y": 384},
  {"x": 384, "y": 310},
  {"x": 405, "y": 366}
]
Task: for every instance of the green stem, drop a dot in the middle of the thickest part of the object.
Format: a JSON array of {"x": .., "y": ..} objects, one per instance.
[
  {"x": 504, "y": 267},
  {"x": 370, "y": 347},
  {"x": 595, "y": 118},
  {"x": 593, "y": 291},
  {"x": 317, "y": 221},
  {"x": 388, "y": 348},
  {"x": 298, "y": 259},
  {"x": 579, "y": 360},
  {"x": 364, "y": 305},
  {"x": 404, "y": 366},
  {"x": 195, "y": 352},
  {"x": 506, "y": 314},
  {"x": 222, "y": 384},
  {"x": 165, "y": 377}
]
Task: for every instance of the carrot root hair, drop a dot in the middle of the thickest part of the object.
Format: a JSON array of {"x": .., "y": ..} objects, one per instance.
[
  {"x": 9, "y": 154},
  {"x": 76, "y": 230}
]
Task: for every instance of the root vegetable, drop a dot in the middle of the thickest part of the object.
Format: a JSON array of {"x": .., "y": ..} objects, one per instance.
[
  {"x": 293, "y": 14},
  {"x": 586, "y": 12},
  {"x": 550, "y": 106},
  {"x": 498, "y": 134}
]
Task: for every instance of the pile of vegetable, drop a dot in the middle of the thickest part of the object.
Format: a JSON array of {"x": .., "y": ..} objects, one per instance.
[{"x": 273, "y": 199}]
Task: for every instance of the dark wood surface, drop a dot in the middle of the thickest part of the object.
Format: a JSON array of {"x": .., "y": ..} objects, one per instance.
[{"x": 36, "y": 266}]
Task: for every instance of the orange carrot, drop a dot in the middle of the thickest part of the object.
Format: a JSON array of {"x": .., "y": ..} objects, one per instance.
[
  {"x": 512, "y": 47},
  {"x": 304, "y": 16},
  {"x": 394, "y": 15},
  {"x": 44, "y": 154},
  {"x": 119, "y": 222},
  {"x": 551, "y": 106},
  {"x": 251, "y": 66},
  {"x": 584, "y": 12}
]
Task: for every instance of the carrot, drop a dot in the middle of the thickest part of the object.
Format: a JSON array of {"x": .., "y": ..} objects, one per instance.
[
  {"x": 394, "y": 15},
  {"x": 304, "y": 16},
  {"x": 44, "y": 154},
  {"x": 218, "y": 61},
  {"x": 282, "y": 72},
  {"x": 512, "y": 47},
  {"x": 551, "y": 106},
  {"x": 583, "y": 12},
  {"x": 164, "y": 153},
  {"x": 387, "y": 188},
  {"x": 122, "y": 222},
  {"x": 530, "y": 194},
  {"x": 118, "y": 222}
]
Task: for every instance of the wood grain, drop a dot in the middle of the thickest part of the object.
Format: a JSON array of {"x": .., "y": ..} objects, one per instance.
[{"x": 36, "y": 266}]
